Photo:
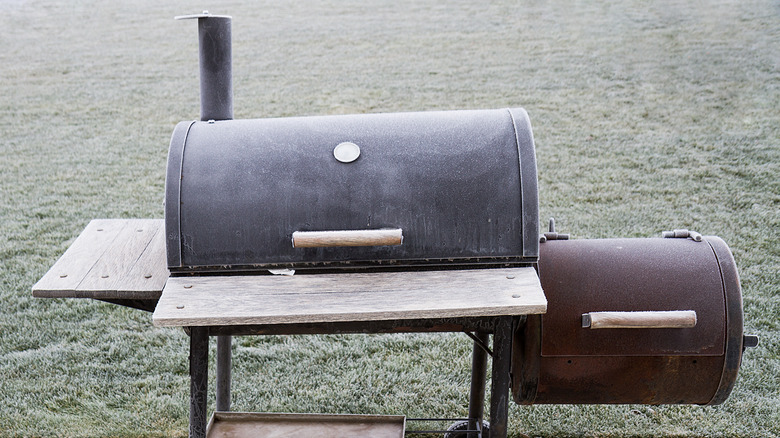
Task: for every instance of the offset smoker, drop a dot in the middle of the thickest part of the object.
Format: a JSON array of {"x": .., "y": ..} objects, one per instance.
[
  {"x": 650, "y": 321},
  {"x": 357, "y": 202},
  {"x": 629, "y": 320}
]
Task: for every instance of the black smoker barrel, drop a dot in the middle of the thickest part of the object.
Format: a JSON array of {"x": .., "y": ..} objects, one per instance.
[
  {"x": 650, "y": 321},
  {"x": 449, "y": 188}
]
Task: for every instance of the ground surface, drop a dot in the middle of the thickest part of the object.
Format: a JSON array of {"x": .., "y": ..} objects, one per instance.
[{"x": 647, "y": 116}]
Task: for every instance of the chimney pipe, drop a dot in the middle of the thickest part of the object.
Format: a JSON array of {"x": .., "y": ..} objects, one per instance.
[{"x": 216, "y": 70}]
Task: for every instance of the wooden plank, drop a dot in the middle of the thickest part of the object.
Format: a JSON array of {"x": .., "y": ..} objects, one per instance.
[
  {"x": 323, "y": 239},
  {"x": 640, "y": 320},
  {"x": 312, "y": 298},
  {"x": 119, "y": 258},
  {"x": 147, "y": 277},
  {"x": 110, "y": 260},
  {"x": 246, "y": 424},
  {"x": 69, "y": 271}
]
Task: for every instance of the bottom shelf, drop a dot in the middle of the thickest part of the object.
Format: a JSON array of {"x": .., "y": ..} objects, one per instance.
[{"x": 273, "y": 425}]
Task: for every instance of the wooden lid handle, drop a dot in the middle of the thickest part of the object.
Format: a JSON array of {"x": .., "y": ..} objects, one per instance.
[
  {"x": 322, "y": 239},
  {"x": 662, "y": 319}
]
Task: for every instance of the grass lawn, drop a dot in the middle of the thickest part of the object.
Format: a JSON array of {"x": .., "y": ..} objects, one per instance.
[{"x": 647, "y": 116}]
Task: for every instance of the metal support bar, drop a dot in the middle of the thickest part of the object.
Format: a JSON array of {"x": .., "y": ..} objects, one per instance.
[
  {"x": 224, "y": 361},
  {"x": 500, "y": 381},
  {"x": 199, "y": 359},
  {"x": 499, "y": 385},
  {"x": 479, "y": 342},
  {"x": 477, "y": 391},
  {"x": 430, "y": 325}
]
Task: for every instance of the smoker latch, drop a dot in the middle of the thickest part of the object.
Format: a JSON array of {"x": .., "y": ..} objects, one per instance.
[{"x": 682, "y": 234}]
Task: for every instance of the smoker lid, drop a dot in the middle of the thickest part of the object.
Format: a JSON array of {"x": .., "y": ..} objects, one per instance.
[{"x": 459, "y": 186}]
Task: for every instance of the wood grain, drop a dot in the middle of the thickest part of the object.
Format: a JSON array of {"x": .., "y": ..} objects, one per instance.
[
  {"x": 245, "y": 424},
  {"x": 120, "y": 257},
  {"x": 110, "y": 259},
  {"x": 69, "y": 271},
  {"x": 149, "y": 273},
  {"x": 322, "y": 239},
  {"x": 246, "y": 300},
  {"x": 646, "y": 320}
]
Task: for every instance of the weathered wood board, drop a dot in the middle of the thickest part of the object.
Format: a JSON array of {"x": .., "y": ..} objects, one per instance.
[
  {"x": 124, "y": 259},
  {"x": 111, "y": 259},
  {"x": 313, "y": 298},
  {"x": 243, "y": 424}
]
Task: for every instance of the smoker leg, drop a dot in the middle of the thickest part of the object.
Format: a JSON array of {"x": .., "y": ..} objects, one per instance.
[
  {"x": 499, "y": 384},
  {"x": 477, "y": 392},
  {"x": 224, "y": 359},
  {"x": 199, "y": 359}
]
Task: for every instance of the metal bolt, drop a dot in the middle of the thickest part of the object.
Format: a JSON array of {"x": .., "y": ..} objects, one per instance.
[
  {"x": 180, "y": 306},
  {"x": 188, "y": 286}
]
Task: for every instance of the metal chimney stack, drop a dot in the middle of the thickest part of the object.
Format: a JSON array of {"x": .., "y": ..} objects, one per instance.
[{"x": 216, "y": 69}]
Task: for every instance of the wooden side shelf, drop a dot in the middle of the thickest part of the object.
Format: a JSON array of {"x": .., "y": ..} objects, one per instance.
[
  {"x": 124, "y": 259},
  {"x": 112, "y": 259}
]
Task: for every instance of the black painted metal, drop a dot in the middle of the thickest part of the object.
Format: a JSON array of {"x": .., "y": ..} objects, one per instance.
[
  {"x": 500, "y": 379},
  {"x": 199, "y": 357},
  {"x": 224, "y": 362},
  {"x": 216, "y": 70},
  {"x": 215, "y": 56},
  {"x": 147, "y": 305},
  {"x": 462, "y": 429},
  {"x": 431, "y": 325},
  {"x": 173, "y": 195},
  {"x": 477, "y": 391},
  {"x": 460, "y": 184},
  {"x": 502, "y": 327},
  {"x": 479, "y": 342}
]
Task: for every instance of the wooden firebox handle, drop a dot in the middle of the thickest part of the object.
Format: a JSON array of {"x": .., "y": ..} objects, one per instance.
[
  {"x": 321, "y": 239},
  {"x": 660, "y": 319}
]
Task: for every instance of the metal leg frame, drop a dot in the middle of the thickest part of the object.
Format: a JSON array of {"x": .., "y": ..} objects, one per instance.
[
  {"x": 224, "y": 362},
  {"x": 499, "y": 385},
  {"x": 477, "y": 392},
  {"x": 199, "y": 373}
]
